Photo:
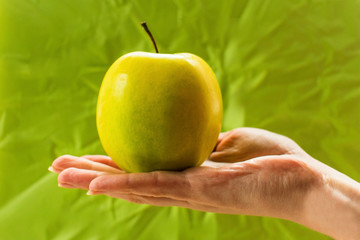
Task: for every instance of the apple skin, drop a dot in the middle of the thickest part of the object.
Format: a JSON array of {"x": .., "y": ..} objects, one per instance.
[{"x": 159, "y": 111}]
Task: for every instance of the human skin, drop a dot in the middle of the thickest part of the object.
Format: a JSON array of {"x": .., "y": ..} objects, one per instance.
[{"x": 250, "y": 172}]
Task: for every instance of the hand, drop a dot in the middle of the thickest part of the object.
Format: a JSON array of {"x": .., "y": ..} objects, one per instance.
[{"x": 251, "y": 172}]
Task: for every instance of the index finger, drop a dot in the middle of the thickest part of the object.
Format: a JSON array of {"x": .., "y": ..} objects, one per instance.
[
  {"x": 101, "y": 159},
  {"x": 68, "y": 161}
]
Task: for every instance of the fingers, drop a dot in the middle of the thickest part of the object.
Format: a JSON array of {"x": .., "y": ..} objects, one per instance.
[
  {"x": 220, "y": 138},
  {"x": 242, "y": 144},
  {"x": 77, "y": 178},
  {"x": 158, "y": 184},
  {"x": 68, "y": 161},
  {"x": 101, "y": 159}
]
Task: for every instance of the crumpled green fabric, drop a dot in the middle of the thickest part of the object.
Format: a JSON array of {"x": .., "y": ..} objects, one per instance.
[{"x": 292, "y": 67}]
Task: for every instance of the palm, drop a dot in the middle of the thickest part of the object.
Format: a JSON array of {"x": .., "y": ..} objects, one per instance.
[{"x": 248, "y": 171}]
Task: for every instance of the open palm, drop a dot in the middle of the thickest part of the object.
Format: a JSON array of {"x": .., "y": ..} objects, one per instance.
[{"x": 251, "y": 171}]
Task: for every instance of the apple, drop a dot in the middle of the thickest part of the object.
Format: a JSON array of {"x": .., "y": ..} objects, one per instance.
[{"x": 159, "y": 111}]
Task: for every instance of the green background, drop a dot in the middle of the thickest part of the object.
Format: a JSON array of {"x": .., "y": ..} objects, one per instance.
[{"x": 292, "y": 67}]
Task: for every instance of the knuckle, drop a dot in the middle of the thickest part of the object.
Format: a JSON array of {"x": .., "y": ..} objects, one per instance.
[
  {"x": 128, "y": 181},
  {"x": 191, "y": 186},
  {"x": 156, "y": 184},
  {"x": 156, "y": 179},
  {"x": 238, "y": 132}
]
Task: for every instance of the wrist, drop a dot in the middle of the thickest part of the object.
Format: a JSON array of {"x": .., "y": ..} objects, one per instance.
[{"x": 333, "y": 207}]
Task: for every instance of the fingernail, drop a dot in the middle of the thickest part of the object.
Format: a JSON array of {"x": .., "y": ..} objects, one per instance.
[
  {"x": 94, "y": 193},
  {"x": 51, "y": 169},
  {"x": 65, "y": 185},
  {"x": 90, "y": 193}
]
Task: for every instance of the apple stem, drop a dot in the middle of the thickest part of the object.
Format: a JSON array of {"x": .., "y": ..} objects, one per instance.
[{"x": 143, "y": 24}]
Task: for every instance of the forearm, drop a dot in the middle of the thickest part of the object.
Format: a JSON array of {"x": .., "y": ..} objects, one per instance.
[{"x": 333, "y": 208}]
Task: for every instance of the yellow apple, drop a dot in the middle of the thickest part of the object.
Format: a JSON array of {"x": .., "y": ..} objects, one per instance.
[{"x": 159, "y": 111}]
